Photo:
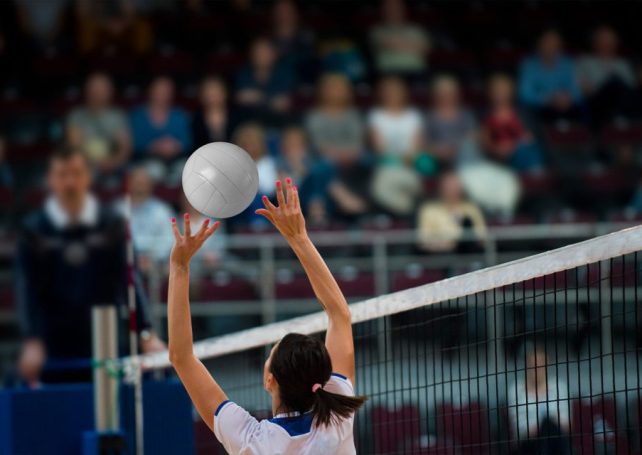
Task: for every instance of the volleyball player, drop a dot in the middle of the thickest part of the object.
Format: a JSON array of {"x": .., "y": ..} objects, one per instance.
[{"x": 311, "y": 383}]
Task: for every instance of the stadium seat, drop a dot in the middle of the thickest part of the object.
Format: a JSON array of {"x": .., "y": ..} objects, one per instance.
[
  {"x": 173, "y": 63},
  {"x": 415, "y": 276},
  {"x": 7, "y": 298},
  {"x": 224, "y": 287},
  {"x": 564, "y": 134},
  {"x": 465, "y": 428},
  {"x": 595, "y": 429},
  {"x": 292, "y": 287},
  {"x": 395, "y": 430},
  {"x": 170, "y": 194},
  {"x": 355, "y": 283},
  {"x": 622, "y": 133}
]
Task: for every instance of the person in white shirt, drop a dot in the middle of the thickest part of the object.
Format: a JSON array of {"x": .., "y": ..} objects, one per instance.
[
  {"x": 311, "y": 383},
  {"x": 539, "y": 409}
]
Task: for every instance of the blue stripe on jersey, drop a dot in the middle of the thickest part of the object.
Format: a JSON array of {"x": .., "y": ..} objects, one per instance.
[
  {"x": 296, "y": 425},
  {"x": 339, "y": 376},
  {"x": 220, "y": 406}
]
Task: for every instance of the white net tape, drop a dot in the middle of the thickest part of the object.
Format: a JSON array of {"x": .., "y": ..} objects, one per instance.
[{"x": 590, "y": 251}]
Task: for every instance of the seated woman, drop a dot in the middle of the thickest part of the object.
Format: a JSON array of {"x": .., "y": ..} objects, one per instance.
[
  {"x": 396, "y": 137},
  {"x": 504, "y": 136},
  {"x": 337, "y": 134},
  {"x": 451, "y": 129},
  {"x": 311, "y": 383},
  {"x": 214, "y": 120},
  {"x": 441, "y": 224}
]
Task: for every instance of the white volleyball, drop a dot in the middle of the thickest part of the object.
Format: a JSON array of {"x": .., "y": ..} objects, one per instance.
[{"x": 220, "y": 179}]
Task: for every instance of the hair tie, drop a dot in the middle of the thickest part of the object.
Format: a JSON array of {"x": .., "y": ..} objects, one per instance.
[{"x": 316, "y": 387}]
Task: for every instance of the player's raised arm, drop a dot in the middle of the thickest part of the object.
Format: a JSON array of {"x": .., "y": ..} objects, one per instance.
[
  {"x": 205, "y": 393},
  {"x": 288, "y": 219}
]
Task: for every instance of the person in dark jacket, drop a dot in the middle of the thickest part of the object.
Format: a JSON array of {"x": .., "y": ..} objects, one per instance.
[{"x": 71, "y": 257}]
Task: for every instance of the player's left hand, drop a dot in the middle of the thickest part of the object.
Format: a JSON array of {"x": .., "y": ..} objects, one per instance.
[
  {"x": 187, "y": 245},
  {"x": 286, "y": 216}
]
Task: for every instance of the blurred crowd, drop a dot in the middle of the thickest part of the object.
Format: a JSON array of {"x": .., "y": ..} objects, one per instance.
[{"x": 389, "y": 118}]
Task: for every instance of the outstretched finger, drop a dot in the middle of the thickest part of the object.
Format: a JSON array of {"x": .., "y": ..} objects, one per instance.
[
  {"x": 295, "y": 198},
  {"x": 211, "y": 229},
  {"x": 267, "y": 203},
  {"x": 280, "y": 197},
  {"x": 266, "y": 213},
  {"x": 177, "y": 233},
  {"x": 186, "y": 223},
  {"x": 203, "y": 228},
  {"x": 288, "y": 191}
]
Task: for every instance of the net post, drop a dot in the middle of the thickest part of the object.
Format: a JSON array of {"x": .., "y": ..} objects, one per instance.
[{"x": 105, "y": 350}]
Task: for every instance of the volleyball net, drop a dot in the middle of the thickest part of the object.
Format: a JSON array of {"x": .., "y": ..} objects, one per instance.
[{"x": 539, "y": 355}]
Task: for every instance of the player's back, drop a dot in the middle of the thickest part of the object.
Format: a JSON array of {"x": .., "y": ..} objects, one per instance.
[{"x": 285, "y": 434}]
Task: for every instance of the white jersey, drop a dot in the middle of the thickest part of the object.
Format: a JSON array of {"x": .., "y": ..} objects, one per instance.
[{"x": 285, "y": 434}]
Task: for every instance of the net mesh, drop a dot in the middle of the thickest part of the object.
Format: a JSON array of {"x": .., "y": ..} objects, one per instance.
[{"x": 545, "y": 364}]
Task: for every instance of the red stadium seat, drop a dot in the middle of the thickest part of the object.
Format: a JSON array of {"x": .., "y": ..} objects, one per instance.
[
  {"x": 174, "y": 63},
  {"x": 225, "y": 288},
  {"x": 622, "y": 133},
  {"x": 395, "y": 430},
  {"x": 413, "y": 277},
  {"x": 465, "y": 428},
  {"x": 293, "y": 287},
  {"x": 568, "y": 135},
  {"x": 594, "y": 426},
  {"x": 355, "y": 283},
  {"x": 170, "y": 194}
]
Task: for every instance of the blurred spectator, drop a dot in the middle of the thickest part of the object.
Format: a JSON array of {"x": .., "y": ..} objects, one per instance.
[
  {"x": 251, "y": 138},
  {"x": 396, "y": 132},
  {"x": 504, "y": 136},
  {"x": 493, "y": 187},
  {"x": 71, "y": 256},
  {"x": 395, "y": 127},
  {"x": 441, "y": 224},
  {"x": 607, "y": 79},
  {"x": 99, "y": 128},
  {"x": 293, "y": 44},
  {"x": 451, "y": 129},
  {"x": 43, "y": 22},
  {"x": 28, "y": 370},
  {"x": 214, "y": 120},
  {"x": 149, "y": 215},
  {"x": 336, "y": 132},
  {"x": 547, "y": 81},
  {"x": 341, "y": 55},
  {"x": 399, "y": 46},
  {"x": 295, "y": 161},
  {"x": 6, "y": 174},
  {"x": 264, "y": 85},
  {"x": 538, "y": 408},
  {"x": 335, "y": 127},
  {"x": 112, "y": 28},
  {"x": 210, "y": 254},
  {"x": 161, "y": 131}
]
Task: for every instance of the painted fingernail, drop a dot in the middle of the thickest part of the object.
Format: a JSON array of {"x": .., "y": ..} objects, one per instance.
[
  {"x": 288, "y": 180},
  {"x": 264, "y": 198},
  {"x": 278, "y": 183},
  {"x": 173, "y": 220},
  {"x": 217, "y": 224},
  {"x": 186, "y": 216},
  {"x": 294, "y": 188},
  {"x": 207, "y": 221}
]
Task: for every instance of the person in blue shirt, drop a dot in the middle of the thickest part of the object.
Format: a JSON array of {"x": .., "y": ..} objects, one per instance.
[
  {"x": 160, "y": 130},
  {"x": 264, "y": 85},
  {"x": 547, "y": 81}
]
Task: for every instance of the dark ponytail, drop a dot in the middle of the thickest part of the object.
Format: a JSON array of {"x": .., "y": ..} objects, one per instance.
[
  {"x": 331, "y": 407},
  {"x": 301, "y": 363}
]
